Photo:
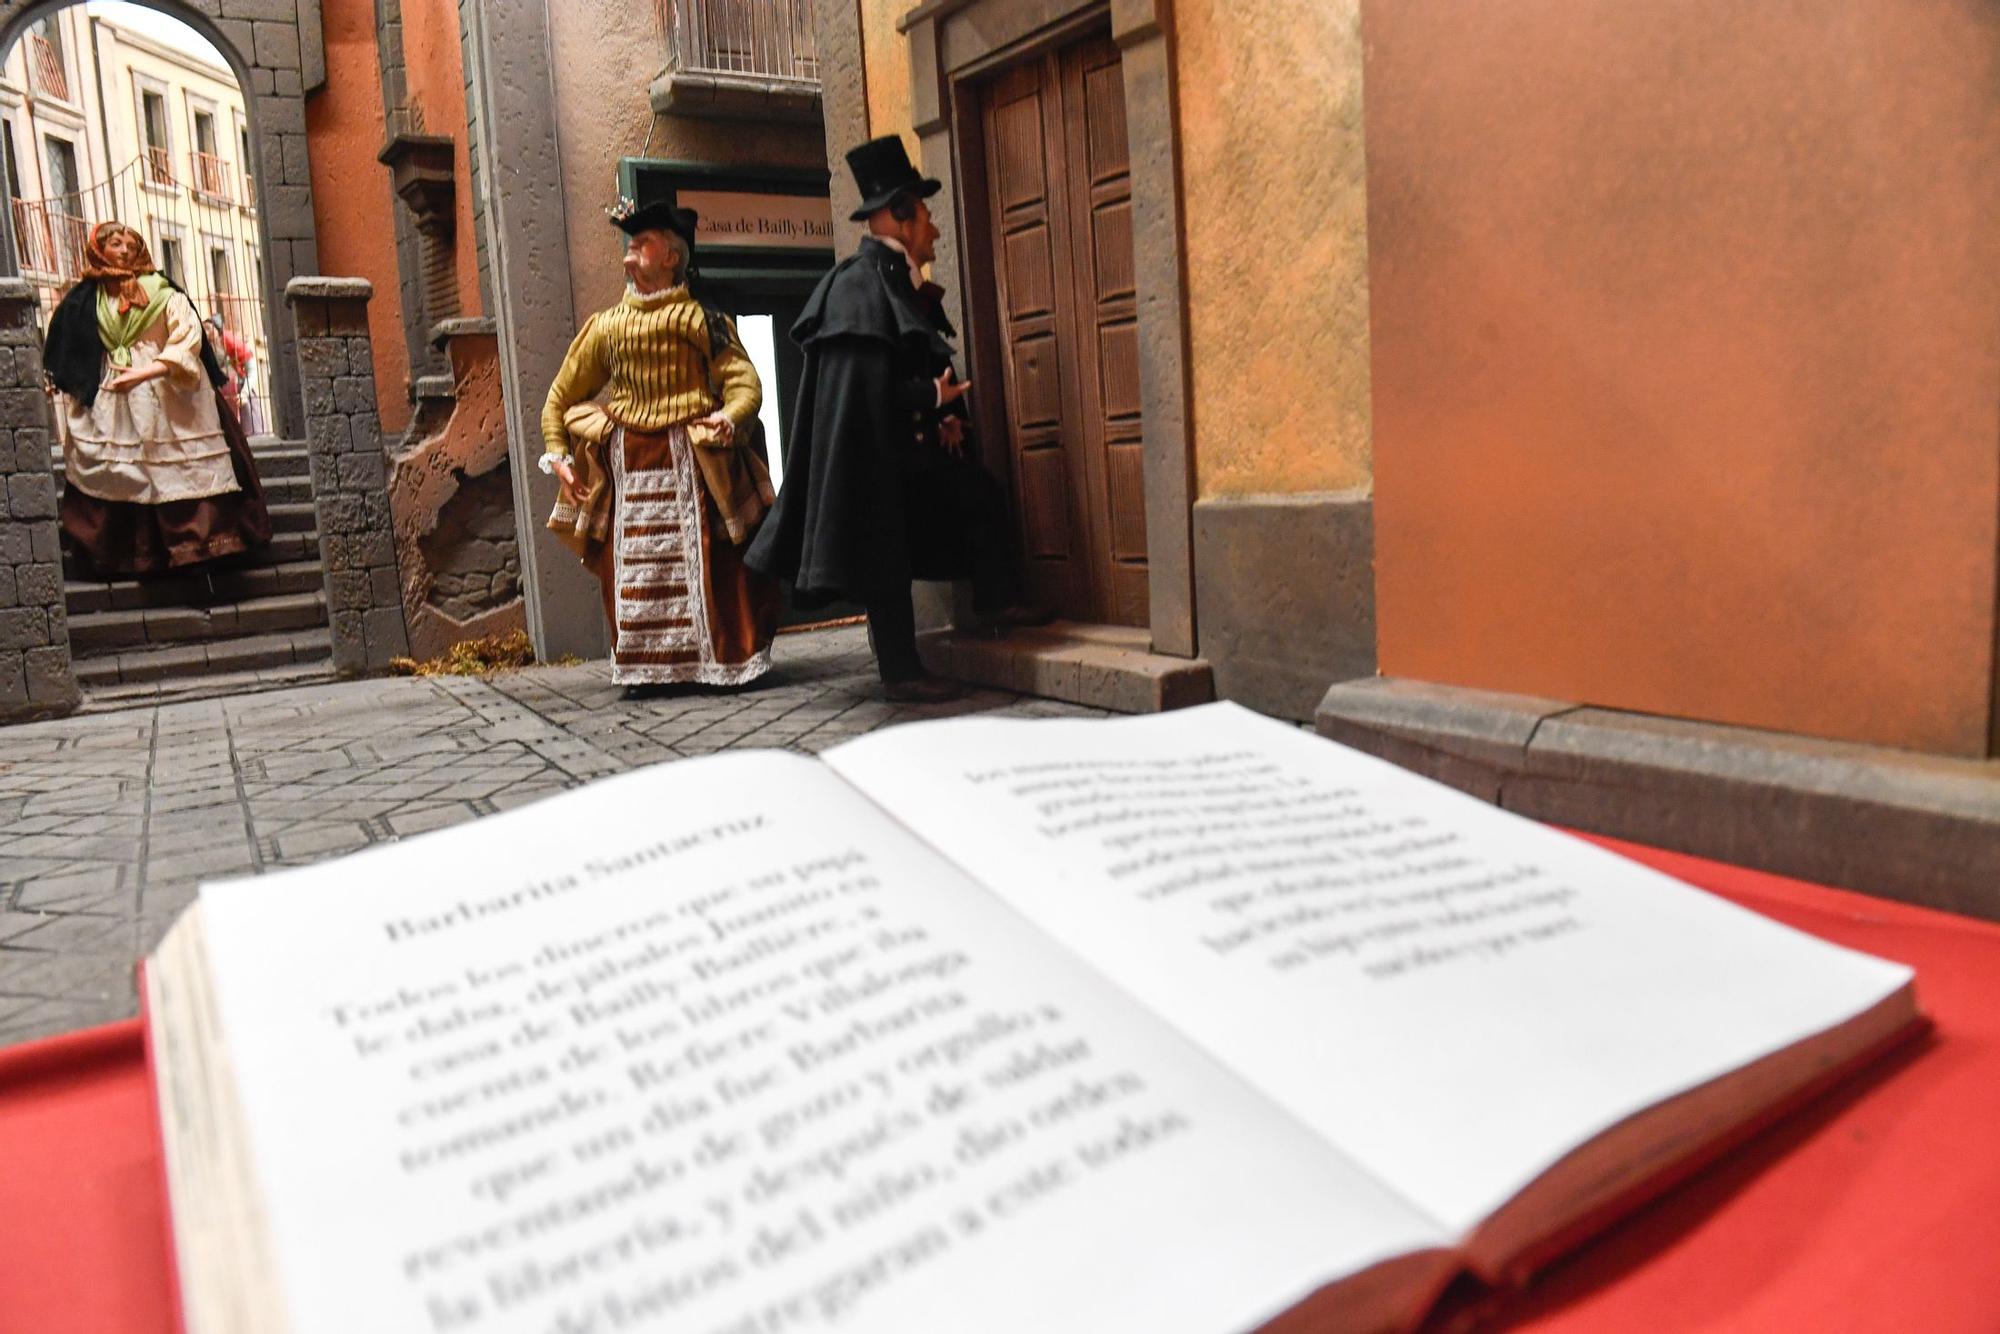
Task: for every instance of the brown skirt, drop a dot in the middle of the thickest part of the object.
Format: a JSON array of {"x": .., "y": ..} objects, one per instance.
[
  {"x": 123, "y": 537},
  {"x": 682, "y": 605}
]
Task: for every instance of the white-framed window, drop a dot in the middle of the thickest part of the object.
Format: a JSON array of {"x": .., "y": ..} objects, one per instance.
[
  {"x": 13, "y": 163},
  {"x": 246, "y": 193},
  {"x": 48, "y": 61},
  {"x": 170, "y": 251},
  {"x": 59, "y": 154},
  {"x": 156, "y": 139},
  {"x": 221, "y": 273},
  {"x": 207, "y": 172}
]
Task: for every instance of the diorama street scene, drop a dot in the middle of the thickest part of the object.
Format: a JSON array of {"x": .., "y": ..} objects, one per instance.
[{"x": 1400, "y": 598}]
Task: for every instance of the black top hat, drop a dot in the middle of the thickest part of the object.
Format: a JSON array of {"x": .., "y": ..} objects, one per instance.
[
  {"x": 632, "y": 218},
  {"x": 882, "y": 169}
]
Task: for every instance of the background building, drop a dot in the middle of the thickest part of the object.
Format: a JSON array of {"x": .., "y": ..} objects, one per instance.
[{"x": 108, "y": 113}]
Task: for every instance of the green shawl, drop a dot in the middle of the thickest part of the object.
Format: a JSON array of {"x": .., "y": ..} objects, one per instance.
[{"x": 119, "y": 332}]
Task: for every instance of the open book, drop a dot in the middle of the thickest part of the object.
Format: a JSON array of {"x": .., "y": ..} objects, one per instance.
[{"x": 1194, "y": 1022}]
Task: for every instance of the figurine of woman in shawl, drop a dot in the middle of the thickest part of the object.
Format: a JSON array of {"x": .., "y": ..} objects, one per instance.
[{"x": 159, "y": 476}]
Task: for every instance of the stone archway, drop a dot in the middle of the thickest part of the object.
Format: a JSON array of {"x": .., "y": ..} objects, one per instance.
[{"x": 276, "y": 50}]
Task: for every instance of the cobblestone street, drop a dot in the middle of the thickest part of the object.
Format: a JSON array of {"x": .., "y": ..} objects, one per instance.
[{"x": 109, "y": 822}]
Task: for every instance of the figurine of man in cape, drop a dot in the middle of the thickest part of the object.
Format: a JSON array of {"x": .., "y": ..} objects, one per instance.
[{"x": 878, "y": 489}]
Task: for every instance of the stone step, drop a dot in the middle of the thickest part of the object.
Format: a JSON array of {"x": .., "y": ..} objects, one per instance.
[
  {"x": 286, "y": 488},
  {"x": 1103, "y": 666},
  {"x": 103, "y": 698},
  {"x": 292, "y": 516},
  {"x": 232, "y": 584},
  {"x": 165, "y": 662},
  {"x": 285, "y": 548},
  {"x": 98, "y": 633},
  {"x": 282, "y": 459}
]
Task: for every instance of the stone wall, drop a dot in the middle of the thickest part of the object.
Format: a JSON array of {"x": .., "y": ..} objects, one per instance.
[
  {"x": 35, "y": 675},
  {"x": 452, "y": 498},
  {"x": 349, "y": 472},
  {"x": 473, "y": 556}
]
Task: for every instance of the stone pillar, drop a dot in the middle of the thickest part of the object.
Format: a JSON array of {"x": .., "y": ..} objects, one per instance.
[
  {"x": 357, "y": 541},
  {"x": 511, "y": 105},
  {"x": 35, "y": 675}
]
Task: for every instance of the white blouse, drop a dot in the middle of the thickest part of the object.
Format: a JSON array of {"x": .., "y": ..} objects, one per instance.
[{"x": 159, "y": 441}]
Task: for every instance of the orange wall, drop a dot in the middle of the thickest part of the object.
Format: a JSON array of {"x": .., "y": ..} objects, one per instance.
[
  {"x": 1275, "y": 213},
  {"x": 1686, "y": 335},
  {"x": 885, "y": 54},
  {"x": 434, "y": 72},
  {"x": 353, "y": 207}
]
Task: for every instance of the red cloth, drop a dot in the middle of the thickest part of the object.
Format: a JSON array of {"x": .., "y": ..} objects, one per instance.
[{"x": 1875, "y": 1209}]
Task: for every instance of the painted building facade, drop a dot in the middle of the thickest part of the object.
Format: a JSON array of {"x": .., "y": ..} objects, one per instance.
[{"x": 1488, "y": 383}]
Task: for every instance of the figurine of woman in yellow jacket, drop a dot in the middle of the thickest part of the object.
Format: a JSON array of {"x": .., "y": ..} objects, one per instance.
[{"x": 659, "y": 496}]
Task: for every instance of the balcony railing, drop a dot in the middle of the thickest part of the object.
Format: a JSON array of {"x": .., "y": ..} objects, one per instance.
[
  {"x": 761, "y": 39},
  {"x": 45, "y": 68},
  {"x": 49, "y": 240},
  {"x": 159, "y": 166},
  {"x": 210, "y": 176}
]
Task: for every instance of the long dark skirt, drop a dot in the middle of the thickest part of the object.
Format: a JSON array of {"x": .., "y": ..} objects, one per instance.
[{"x": 122, "y": 537}]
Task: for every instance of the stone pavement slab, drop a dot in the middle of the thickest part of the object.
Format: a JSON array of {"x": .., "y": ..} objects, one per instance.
[{"x": 109, "y": 821}]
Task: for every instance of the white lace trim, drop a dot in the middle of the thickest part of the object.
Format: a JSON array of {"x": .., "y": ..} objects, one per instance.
[{"x": 671, "y": 496}]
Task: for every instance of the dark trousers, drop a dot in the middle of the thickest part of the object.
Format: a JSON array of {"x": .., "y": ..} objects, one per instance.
[{"x": 959, "y": 528}]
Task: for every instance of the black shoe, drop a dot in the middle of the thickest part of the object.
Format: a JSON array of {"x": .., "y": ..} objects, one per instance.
[{"x": 921, "y": 690}]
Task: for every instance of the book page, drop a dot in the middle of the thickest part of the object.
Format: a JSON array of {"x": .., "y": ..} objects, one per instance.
[
  {"x": 718, "y": 1047},
  {"x": 1454, "y": 995}
]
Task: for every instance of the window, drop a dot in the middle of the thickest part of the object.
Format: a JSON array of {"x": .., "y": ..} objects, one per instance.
[
  {"x": 49, "y": 31},
  {"x": 158, "y": 149},
  {"x": 63, "y": 209},
  {"x": 209, "y": 177},
  {"x": 220, "y": 283},
  {"x": 170, "y": 259},
  {"x": 63, "y": 179},
  {"x": 47, "y": 74},
  {"x": 244, "y": 160},
  {"x": 13, "y": 167}
]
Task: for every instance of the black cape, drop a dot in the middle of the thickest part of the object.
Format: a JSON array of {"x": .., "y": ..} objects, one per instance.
[
  {"x": 838, "y": 529},
  {"x": 73, "y": 354}
]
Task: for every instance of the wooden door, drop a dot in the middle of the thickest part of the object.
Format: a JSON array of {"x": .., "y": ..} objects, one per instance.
[{"x": 1059, "y": 198}]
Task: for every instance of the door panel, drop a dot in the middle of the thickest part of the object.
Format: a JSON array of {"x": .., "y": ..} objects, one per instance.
[
  {"x": 1059, "y": 198},
  {"x": 1100, "y": 184},
  {"x": 1032, "y": 262}
]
